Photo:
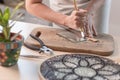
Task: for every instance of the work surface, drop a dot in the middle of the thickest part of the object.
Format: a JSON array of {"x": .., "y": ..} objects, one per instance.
[
  {"x": 53, "y": 38},
  {"x": 27, "y": 69}
]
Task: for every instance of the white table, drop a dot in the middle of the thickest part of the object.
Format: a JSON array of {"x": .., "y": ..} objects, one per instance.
[{"x": 27, "y": 69}]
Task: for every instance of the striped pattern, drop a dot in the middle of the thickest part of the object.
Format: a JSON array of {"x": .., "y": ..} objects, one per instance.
[{"x": 11, "y": 45}]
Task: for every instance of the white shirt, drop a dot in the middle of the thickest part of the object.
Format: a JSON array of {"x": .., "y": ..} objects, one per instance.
[{"x": 67, "y": 6}]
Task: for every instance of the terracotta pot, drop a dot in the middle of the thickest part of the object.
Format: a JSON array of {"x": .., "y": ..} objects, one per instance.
[{"x": 10, "y": 51}]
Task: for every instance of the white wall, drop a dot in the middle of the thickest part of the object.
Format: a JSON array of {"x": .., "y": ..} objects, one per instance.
[
  {"x": 114, "y": 22},
  {"x": 114, "y": 25}
]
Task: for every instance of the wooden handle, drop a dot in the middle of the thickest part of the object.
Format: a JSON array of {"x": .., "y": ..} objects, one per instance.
[
  {"x": 76, "y": 8},
  {"x": 75, "y": 5}
]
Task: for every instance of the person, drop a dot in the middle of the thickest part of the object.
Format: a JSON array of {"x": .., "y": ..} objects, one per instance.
[{"x": 63, "y": 13}]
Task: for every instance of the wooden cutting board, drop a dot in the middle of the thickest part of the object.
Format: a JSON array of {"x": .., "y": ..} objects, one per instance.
[{"x": 50, "y": 37}]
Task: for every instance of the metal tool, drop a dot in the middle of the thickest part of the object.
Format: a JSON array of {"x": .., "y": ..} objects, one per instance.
[
  {"x": 32, "y": 56},
  {"x": 82, "y": 36},
  {"x": 43, "y": 48}
]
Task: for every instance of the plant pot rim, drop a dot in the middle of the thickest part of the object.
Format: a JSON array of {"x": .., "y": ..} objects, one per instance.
[
  {"x": 18, "y": 38},
  {"x": 13, "y": 44}
]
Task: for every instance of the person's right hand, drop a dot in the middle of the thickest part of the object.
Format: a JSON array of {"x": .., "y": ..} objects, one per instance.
[
  {"x": 75, "y": 20},
  {"x": 81, "y": 19}
]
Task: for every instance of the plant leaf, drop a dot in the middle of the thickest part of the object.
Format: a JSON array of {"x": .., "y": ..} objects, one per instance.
[
  {"x": 17, "y": 17},
  {"x": 16, "y": 8},
  {"x": 6, "y": 15},
  {"x": 6, "y": 32},
  {"x": 4, "y": 21},
  {"x": 1, "y": 39},
  {"x": 1, "y": 13}
]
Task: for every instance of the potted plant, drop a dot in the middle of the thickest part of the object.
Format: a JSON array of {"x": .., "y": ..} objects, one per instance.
[{"x": 10, "y": 43}]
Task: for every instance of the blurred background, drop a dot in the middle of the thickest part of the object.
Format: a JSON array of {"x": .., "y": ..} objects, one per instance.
[
  {"x": 26, "y": 17},
  {"x": 114, "y": 18}
]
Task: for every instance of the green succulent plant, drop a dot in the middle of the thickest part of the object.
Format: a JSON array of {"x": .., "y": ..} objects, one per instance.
[{"x": 5, "y": 16}]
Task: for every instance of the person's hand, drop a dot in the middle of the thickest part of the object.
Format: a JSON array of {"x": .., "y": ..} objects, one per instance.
[
  {"x": 89, "y": 25},
  {"x": 75, "y": 20},
  {"x": 82, "y": 19}
]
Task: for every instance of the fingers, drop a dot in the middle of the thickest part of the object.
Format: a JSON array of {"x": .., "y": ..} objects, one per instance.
[
  {"x": 94, "y": 31},
  {"x": 81, "y": 19},
  {"x": 77, "y": 19},
  {"x": 80, "y": 13},
  {"x": 89, "y": 27},
  {"x": 90, "y": 23},
  {"x": 89, "y": 31}
]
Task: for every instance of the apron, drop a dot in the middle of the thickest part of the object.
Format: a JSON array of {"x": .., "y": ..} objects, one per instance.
[{"x": 66, "y": 7}]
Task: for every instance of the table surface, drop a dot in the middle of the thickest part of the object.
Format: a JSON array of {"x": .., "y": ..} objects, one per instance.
[{"x": 26, "y": 68}]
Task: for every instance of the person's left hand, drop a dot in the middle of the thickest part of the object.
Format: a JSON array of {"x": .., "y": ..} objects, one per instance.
[{"x": 89, "y": 27}]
